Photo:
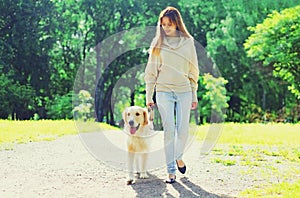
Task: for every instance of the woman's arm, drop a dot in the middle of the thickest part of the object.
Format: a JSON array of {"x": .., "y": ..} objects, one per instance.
[
  {"x": 194, "y": 73},
  {"x": 151, "y": 74}
]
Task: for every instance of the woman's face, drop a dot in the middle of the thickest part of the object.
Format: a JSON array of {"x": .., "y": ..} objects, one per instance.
[{"x": 168, "y": 27}]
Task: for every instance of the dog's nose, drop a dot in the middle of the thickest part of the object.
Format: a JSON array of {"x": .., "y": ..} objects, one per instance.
[{"x": 131, "y": 122}]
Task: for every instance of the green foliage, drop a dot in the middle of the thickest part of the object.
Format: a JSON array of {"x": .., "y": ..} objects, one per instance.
[
  {"x": 248, "y": 83},
  {"x": 60, "y": 107},
  {"x": 43, "y": 43},
  {"x": 24, "y": 47},
  {"x": 83, "y": 105},
  {"x": 276, "y": 42},
  {"x": 71, "y": 30},
  {"x": 129, "y": 90},
  {"x": 17, "y": 101},
  {"x": 216, "y": 94}
]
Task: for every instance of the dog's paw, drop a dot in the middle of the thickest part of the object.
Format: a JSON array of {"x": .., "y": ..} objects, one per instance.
[
  {"x": 144, "y": 176},
  {"x": 130, "y": 182}
]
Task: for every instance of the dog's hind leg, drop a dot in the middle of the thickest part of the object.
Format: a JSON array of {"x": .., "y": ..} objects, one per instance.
[
  {"x": 143, "y": 174},
  {"x": 130, "y": 180}
]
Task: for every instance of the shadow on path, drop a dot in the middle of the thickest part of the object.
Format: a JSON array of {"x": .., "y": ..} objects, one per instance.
[
  {"x": 151, "y": 187},
  {"x": 188, "y": 189},
  {"x": 156, "y": 187}
]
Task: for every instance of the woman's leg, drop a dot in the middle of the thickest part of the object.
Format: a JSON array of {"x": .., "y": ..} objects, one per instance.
[
  {"x": 183, "y": 109},
  {"x": 166, "y": 104}
]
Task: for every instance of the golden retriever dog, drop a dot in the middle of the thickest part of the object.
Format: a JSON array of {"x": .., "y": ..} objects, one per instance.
[{"x": 138, "y": 124}]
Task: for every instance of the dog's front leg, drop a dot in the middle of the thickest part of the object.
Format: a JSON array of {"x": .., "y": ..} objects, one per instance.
[
  {"x": 144, "y": 174},
  {"x": 130, "y": 180}
]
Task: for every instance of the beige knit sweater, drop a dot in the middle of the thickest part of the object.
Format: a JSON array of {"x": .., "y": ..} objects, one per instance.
[{"x": 175, "y": 70}]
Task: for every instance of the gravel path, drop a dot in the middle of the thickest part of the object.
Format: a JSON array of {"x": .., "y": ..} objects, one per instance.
[{"x": 65, "y": 168}]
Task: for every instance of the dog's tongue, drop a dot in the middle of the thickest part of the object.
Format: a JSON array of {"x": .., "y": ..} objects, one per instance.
[{"x": 132, "y": 130}]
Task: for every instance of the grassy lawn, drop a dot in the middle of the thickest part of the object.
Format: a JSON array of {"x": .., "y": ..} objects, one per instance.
[
  {"x": 265, "y": 150},
  {"x": 256, "y": 134},
  {"x": 19, "y": 132},
  {"x": 258, "y": 147},
  {"x": 283, "y": 189}
]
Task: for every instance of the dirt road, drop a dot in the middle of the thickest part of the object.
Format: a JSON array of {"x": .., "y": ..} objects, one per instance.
[{"x": 66, "y": 168}]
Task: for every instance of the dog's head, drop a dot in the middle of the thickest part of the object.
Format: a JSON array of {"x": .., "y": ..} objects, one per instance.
[{"x": 134, "y": 118}]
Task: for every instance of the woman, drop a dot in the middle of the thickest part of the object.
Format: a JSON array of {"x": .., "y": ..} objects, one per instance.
[{"x": 172, "y": 70}]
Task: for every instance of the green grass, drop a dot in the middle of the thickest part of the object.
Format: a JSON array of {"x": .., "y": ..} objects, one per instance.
[
  {"x": 283, "y": 189},
  {"x": 291, "y": 154},
  {"x": 259, "y": 148},
  {"x": 12, "y": 132},
  {"x": 232, "y": 133},
  {"x": 255, "y": 134},
  {"x": 226, "y": 162}
]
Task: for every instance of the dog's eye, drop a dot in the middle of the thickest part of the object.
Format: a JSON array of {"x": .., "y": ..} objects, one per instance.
[
  {"x": 128, "y": 114},
  {"x": 137, "y": 114}
]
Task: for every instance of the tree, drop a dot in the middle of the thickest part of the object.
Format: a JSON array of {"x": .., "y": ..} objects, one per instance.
[
  {"x": 226, "y": 31},
  {"x": 276, "y": 43},
  {"x": 24, "y": 47},
  {"x": 44, "y": 44}
]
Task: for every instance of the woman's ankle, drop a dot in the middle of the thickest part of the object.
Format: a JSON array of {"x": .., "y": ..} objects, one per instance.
[
  {"x": 180, "y": 163},
  {"x": 172, "y": 176}
]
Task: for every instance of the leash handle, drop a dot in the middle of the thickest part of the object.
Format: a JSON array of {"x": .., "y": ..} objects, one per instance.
[
  {"x": 151, "y": 112},
  {"x": 151, "y": 107}
]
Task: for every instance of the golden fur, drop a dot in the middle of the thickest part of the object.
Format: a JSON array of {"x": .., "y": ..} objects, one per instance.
[{"x": 138, "y": 126}]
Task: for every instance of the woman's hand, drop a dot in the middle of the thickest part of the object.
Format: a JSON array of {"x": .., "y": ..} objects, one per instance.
[
  {"x": 194, "y": 105},
  {"x": 150, "y": 104}
]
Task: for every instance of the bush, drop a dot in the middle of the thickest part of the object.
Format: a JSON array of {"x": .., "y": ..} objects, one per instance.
[
  {"x": 83, "y": 105},
  {"x": 216, "y": 94},
  {"x": 17, "y": 100},
  {"x": 60, "y": 107}
]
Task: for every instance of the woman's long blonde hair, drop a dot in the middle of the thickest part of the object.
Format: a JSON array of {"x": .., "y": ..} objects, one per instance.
[{"x": 175, "y": 17}]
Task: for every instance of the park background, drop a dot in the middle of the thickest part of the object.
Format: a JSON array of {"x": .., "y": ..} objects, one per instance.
[
  {"x": 45, "y": 43},
  {"x": 255, "y": 45}
]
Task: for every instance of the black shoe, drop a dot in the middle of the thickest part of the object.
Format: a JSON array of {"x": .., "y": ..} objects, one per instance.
[
  {"x": 181, "y": 169},
  {"x": 171, "y": 180}
]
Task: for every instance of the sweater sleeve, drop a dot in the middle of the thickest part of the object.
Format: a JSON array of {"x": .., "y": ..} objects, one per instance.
[
  {"x": 194, "y": 72},
  {"x": 151, "y": 74}
]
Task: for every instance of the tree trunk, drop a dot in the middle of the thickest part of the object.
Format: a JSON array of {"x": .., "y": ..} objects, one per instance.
[
  {"x": 132, "y": 98},
  {"x": 99, "y": 63}
]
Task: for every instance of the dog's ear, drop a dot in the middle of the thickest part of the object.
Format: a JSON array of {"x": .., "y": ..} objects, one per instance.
[
  {"x": 124, "y": 115},
  {"x": 145, "y": 113}
]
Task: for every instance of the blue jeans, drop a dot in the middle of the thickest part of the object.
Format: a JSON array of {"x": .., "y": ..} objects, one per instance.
[{"x": 174, "y": 109}]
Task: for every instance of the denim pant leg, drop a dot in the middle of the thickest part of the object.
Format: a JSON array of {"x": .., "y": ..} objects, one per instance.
[
  {"x": 183, "y": 109},
  {"x": 166, "y": 104}
]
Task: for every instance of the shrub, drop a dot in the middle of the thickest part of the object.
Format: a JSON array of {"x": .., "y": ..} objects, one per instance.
[
  {"x": 17, "y": 100},
  {"x": 83, "y": 103},
  {"x": 60, "y": 107},
  {"x": 216, "y": 94}
]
